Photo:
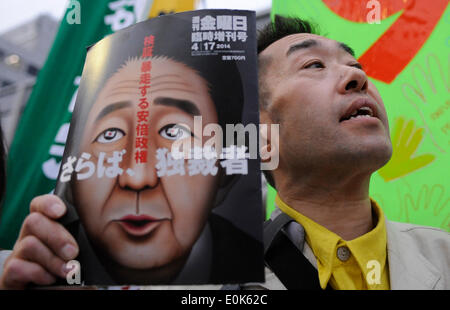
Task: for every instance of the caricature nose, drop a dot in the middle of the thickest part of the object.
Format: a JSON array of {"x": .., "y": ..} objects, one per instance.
[
  {"x": 352, "y": 80},
  {"x": 139, "y": 175}
]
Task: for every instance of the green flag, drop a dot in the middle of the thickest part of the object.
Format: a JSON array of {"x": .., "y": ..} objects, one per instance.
[
  {"x": 35, "y": 154},
  {"x": 403, "y": 46}
]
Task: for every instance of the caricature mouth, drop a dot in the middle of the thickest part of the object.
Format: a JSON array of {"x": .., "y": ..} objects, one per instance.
[
  {"x": 362, "y": 109},
  {"x": 139, "y": 225}
]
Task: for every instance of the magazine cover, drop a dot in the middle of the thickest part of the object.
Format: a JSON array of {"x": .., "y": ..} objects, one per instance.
[{"x": 160, "y": 171}]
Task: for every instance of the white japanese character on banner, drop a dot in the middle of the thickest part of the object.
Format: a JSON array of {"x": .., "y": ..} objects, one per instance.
[
  {"x": 224, "y": 22},
  {"x": 210, "y": 152},
  {"x": 242, "y": 36},
  {"x": 121, "y": 17},
  {"x": 241, "y": 152},
  {"x": 196, "y": 152},
  {"x": 166, "y": 161},
  {"x": 100, "y": 167},
  {"x": 234, "y": 152},
  {"x": 227, "y": 152},
  {"x": 235, "y": 166},
  {"x": 67, "y": 169},
  {"x": 196, "y": 37},
  {"x": 81, "y": 164},
  {"x": 114, "y": 170},
  {"x": 120, "y": 3},
  {"x": 130, "y": 172},
  {"x": 219, "y": 36},
  {"x": 240, "y": 23},
  {"x": 196, "y": 23},
  {"x": 208, "y": 36},
  {"x": 230, "y": 36},
  {"x": 208, "y": 23},
  {"x": 203, "y": 166}
]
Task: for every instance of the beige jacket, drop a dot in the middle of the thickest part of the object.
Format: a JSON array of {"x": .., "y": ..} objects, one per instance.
[{"x": 418, "y": 256}]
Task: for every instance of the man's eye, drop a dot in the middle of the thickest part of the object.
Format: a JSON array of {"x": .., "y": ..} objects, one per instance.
[
  {"x": 110, "y": 135},
  {"x": 175, "y": 132},
  {"x": 315, "y": 64}
]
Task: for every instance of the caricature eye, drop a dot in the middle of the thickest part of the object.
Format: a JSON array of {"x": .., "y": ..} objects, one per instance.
[
  {"x": 175, "y": 132},
  {"x": 110, "y": 135},
  {"x": 315, "y": 64}
]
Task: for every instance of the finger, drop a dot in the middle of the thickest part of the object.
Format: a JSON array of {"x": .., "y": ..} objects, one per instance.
[
  {"x": 406, "y": 134},
  {"x": 33, "y": 250},
  {"x": 421, "y": 161},
  {"x": 50, "y": 205},
  {"x": 52, "y": 234},
  {"x": 415, "y": 141},
  {"x": 18, "y": 273},
  {"x": 398, "y": 128}
]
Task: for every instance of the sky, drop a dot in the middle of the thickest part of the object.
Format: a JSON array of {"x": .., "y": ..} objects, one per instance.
[{"x": 16, "y": 12}]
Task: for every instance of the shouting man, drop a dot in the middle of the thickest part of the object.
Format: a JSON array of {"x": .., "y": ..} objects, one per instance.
[{"x": 334, "y": 134}]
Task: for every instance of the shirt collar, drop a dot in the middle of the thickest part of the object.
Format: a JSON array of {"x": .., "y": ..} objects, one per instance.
[{"x": 324, "y": 243}]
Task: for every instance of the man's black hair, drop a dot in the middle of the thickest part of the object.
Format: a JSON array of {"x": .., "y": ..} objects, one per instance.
[
  {"x": 282, "y": 27},
  {"x": 272, "y": 32}
]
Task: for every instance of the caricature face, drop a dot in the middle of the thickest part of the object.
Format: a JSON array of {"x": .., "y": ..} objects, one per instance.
[
  {"x": 145, "y": 221},
  {"x": 330, "y": 114}
]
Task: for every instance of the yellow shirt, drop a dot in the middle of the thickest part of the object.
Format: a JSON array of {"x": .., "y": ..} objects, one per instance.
[{"x": 359, "y": 264}]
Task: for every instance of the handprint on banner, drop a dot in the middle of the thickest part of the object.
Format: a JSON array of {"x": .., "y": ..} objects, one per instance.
[
  {"x": 430, "y": 97},
  {"x": 406, "y": 140},
  {"x": 431, "y": 203}
]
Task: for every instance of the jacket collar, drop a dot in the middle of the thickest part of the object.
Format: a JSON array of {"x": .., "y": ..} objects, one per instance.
[{"x": 408, "y": 268}]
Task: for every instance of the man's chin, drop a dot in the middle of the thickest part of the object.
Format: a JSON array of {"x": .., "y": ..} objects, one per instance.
[
  {"x": 375, "y": 156},
  {"x": 369, "y": 155}
]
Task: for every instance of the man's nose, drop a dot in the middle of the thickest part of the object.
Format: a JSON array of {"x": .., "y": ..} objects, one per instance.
[
  {"x": 352, "y": 79},
  {"x": 139, "y": 170}
]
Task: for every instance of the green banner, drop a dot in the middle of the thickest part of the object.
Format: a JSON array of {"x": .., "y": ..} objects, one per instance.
[
  {"x": 404, "y": 47},
  {"x": 37, "y": 149}
]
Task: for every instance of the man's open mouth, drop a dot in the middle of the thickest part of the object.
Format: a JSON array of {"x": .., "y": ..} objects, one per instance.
[
  {"x": 361, "y": 108},
  {"x": 361, "y": 112}
]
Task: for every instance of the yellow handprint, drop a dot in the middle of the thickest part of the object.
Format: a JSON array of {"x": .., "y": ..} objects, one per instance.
[{"x": 405, "y": 143}]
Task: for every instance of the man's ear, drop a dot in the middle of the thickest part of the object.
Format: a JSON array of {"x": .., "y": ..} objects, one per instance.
[
  {"x": 268, "y": 140},
  {"x": 264, "y": 143}
]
